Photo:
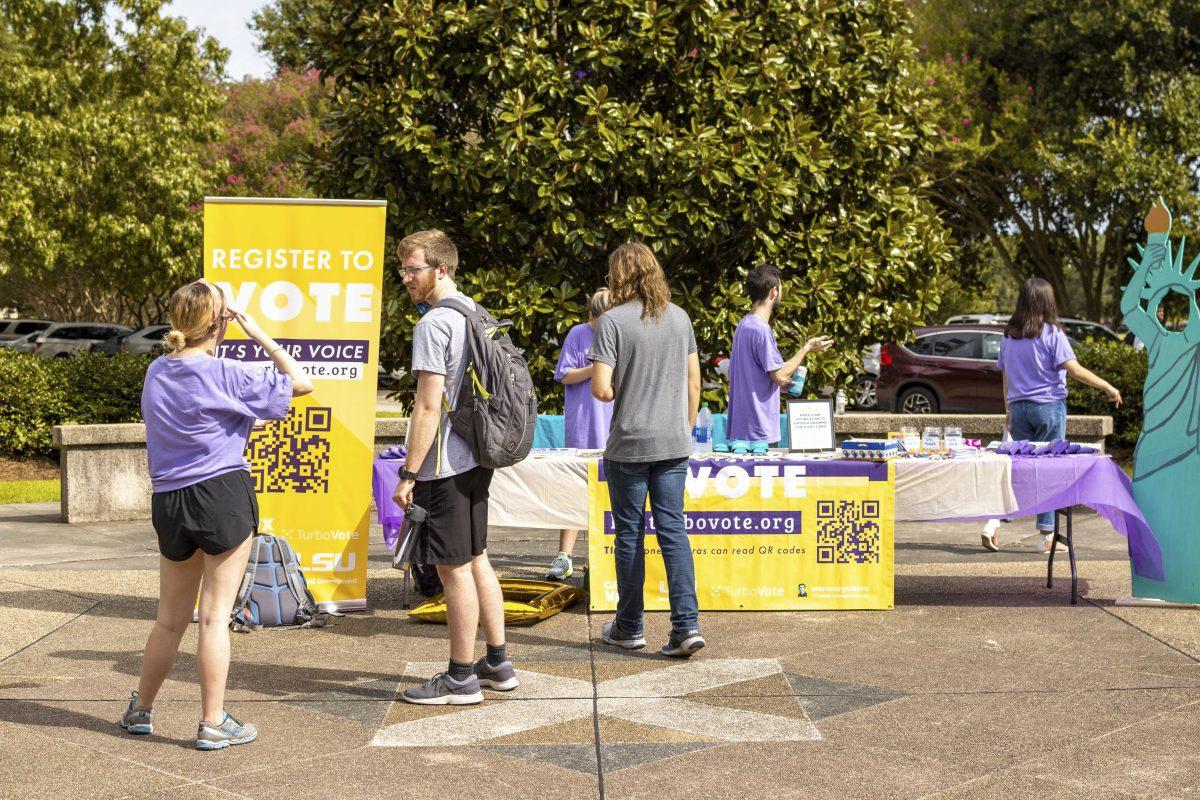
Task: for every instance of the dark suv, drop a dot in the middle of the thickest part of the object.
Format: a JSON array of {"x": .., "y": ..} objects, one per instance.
[{"x": 948, "y": 368}]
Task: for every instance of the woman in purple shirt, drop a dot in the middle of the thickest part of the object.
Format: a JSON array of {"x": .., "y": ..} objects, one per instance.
[
  {"x": 199, "y": 410},
  {"x": 1036, "y": 357},
  {"x": 587, "y": 419}
]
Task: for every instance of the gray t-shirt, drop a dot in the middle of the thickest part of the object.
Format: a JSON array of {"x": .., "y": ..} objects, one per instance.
[
  {"x": 439, "y": 345},
  {"x": 650, "y": 379}
]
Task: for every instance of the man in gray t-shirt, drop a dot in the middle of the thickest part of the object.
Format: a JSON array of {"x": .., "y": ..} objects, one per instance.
[
  {"x": 649, "y": 359},
  {"x": 644, "y": 360},
  {"x": 442, "y": 478},
  {"x": 439, "y": 342}
]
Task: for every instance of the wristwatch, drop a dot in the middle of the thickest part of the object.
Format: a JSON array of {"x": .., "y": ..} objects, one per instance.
[{"x": 405, "y": 475}]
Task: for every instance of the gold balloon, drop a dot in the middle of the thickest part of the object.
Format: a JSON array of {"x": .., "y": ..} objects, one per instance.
[{"x": 525, "y": 602}]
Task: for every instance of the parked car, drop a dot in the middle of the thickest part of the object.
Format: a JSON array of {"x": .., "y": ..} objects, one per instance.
[
  {"x": 65, "y": 338},
  {"x": 11, "y": 329},
  {"x": 22, "y": 344},
  {"x": 947, "y": 368},
  {"x": 1079, "y": 330},
  {"x": 146, "y": 341}
]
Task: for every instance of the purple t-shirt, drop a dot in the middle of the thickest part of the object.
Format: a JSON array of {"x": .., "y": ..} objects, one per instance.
[
  {"x": 753, "y": 393},
  {"x": 587, "y": 419},
  {"x": 199, "y": 411},
  {"x": 1033, "y": 367}
]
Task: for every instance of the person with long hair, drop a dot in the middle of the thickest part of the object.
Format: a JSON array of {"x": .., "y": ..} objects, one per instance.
[
  {"x": 586, "y": 419},
  {"x": 199, "y": 410},
  {"x": 645, "y": 362},
  {"x": 1036, "y": 357}
]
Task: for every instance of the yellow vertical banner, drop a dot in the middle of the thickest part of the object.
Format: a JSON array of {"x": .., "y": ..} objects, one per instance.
[
  {"x": 766, "y": 535},
  {"x": 311, "y": 273}
]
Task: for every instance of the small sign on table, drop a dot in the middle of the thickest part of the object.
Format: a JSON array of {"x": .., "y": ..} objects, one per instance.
[{"x": 810, "y": 425}]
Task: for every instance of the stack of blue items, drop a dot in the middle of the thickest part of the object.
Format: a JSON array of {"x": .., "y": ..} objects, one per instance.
[
  {"x": 396, "y": 451},
  {"x": 1058, "y": 447}
]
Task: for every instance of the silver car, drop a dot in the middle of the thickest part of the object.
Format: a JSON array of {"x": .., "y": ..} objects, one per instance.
[
  {"x": 145, "y": 341},
  {"x": 13, "y": 329},
  {"x": 22, "y": 344},
  {"x": 65, "y": 338}
]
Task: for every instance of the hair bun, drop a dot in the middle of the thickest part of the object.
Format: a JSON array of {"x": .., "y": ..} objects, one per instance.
[{"x": 174, "y": 341}]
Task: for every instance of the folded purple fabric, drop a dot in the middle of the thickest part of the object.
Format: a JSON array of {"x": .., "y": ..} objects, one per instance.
[{"x": 395, "y": 451}]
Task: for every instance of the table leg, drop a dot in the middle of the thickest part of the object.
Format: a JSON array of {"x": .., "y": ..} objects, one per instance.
[{"x": 1069, "y": 541}]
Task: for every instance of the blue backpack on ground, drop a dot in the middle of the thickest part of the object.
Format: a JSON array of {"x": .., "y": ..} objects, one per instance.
[{"x": 274, "y": 591}]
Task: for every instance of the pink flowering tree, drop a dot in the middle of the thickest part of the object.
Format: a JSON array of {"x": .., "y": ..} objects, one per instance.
[{"x": 272, "y": 128}]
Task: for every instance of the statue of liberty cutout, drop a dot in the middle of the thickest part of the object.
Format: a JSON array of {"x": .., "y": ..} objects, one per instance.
[{"x": 1166, "y": 476}]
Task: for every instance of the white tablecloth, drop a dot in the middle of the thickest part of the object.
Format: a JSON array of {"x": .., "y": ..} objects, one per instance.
[{"x": 549, "y": 490}]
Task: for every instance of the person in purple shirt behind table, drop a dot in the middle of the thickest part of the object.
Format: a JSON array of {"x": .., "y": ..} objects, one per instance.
[
  {"x": 1036, "y": 357},
  {"x": 199, "y": 410},
  {"x": 756, "y": 369},
  {"x": 587, "y": 419}
]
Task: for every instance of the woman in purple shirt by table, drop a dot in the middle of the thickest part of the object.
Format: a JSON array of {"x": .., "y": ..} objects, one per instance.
[
  {"x": 587, "y": 419},
  {"x": 199, "y": 410},
  {"x": 1036, "y": 357}
]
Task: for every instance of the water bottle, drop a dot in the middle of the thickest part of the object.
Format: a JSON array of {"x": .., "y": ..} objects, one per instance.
[
  {"x": 797, "y": 387},
  {"x": 840, "y": 402},
  {"x": 702, "y": 433}
]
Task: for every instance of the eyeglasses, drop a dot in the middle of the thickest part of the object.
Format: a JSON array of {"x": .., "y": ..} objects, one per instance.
[{"x": 412, "y": 272}]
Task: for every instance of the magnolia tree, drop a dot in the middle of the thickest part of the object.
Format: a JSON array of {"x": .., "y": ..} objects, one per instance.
[{"x": 542, "y": 134}]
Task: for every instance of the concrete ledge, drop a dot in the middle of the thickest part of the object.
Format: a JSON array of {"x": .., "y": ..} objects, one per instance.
[
  {"x": 105, "y": 479},
  {"x": 103, "y": 472}
]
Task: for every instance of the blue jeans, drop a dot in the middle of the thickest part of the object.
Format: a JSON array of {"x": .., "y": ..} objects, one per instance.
[
  {"x": 1039, "y": 422},
  {"x": 628, "y": 484}
]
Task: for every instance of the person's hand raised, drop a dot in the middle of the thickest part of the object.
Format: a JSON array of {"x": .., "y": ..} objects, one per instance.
[
  {"x": 246, "y": 322},
  {"x": 818, "y": 344}
]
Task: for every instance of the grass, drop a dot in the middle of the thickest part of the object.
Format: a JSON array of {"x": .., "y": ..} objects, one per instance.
[
  {"x": 390, "y": 414},
  {"x": 29, "y": 491}
]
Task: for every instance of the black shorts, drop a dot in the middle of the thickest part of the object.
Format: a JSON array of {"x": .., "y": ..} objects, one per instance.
[
  {"x": 456, "y": 529},
  {"x": 215, "y": 515}
]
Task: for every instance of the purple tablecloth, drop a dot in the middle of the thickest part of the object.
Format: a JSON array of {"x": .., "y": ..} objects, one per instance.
[
  {"x": 1047, "y": 484},
  {"x": 1040, "y": 484}
]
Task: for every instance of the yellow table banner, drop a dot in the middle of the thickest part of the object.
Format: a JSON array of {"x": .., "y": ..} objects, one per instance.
[
  {"x": 766, "y": 534},
  {"x": 311, "y": 273}
]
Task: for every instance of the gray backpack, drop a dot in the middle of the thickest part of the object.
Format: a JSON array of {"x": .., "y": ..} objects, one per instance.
[
  {"x": 496, "y": 410},
  {"x": 274, "y": 591}
]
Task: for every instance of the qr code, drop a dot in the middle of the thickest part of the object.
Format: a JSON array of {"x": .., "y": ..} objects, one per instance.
[
  {"x": 292, "y": 454},
  {"x": 848, "y": 532}
]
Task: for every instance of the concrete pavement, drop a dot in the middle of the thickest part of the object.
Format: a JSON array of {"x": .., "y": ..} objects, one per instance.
[{"x": 981, "y": 683}]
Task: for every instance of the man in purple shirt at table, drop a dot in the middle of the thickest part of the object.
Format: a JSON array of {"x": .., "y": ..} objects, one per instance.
[
  {"x": 587, "y": 419},
  {"x": 756, "y": 369}
]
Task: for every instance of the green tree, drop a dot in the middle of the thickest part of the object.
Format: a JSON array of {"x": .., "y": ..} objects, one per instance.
[
  {"x": 271, "y": 128},
  {"x": 542, "y": 133},
  {"x": 283, "y": 29},
  {"x": 1059, "y": 122},
  {"x": 105, "y": 111}
]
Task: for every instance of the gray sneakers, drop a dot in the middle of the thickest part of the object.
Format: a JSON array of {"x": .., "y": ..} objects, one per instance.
[
  {"x": 229, "y": 732},
  {"x": 681, "y": 644},
  {"x": 560, "y": 568},
  {"x": 611, "y": 634},
  {"x": 501, "y": 678},
  {"x": 137, "y": 720},
  {"x": 442, "y": 690}
]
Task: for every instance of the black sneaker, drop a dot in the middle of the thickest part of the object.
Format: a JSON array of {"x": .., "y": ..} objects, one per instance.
[
  {"x": 442, "y": 690},
  {"x": 501, "y": 678},
  {"x": 683, "y": 644},
  {"x": 611, "y": 634}
]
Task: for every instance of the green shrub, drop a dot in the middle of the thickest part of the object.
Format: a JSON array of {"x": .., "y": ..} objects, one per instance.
[
  {"x": 41, "y": 393},
  {"x": 1124, "y": 368}
]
